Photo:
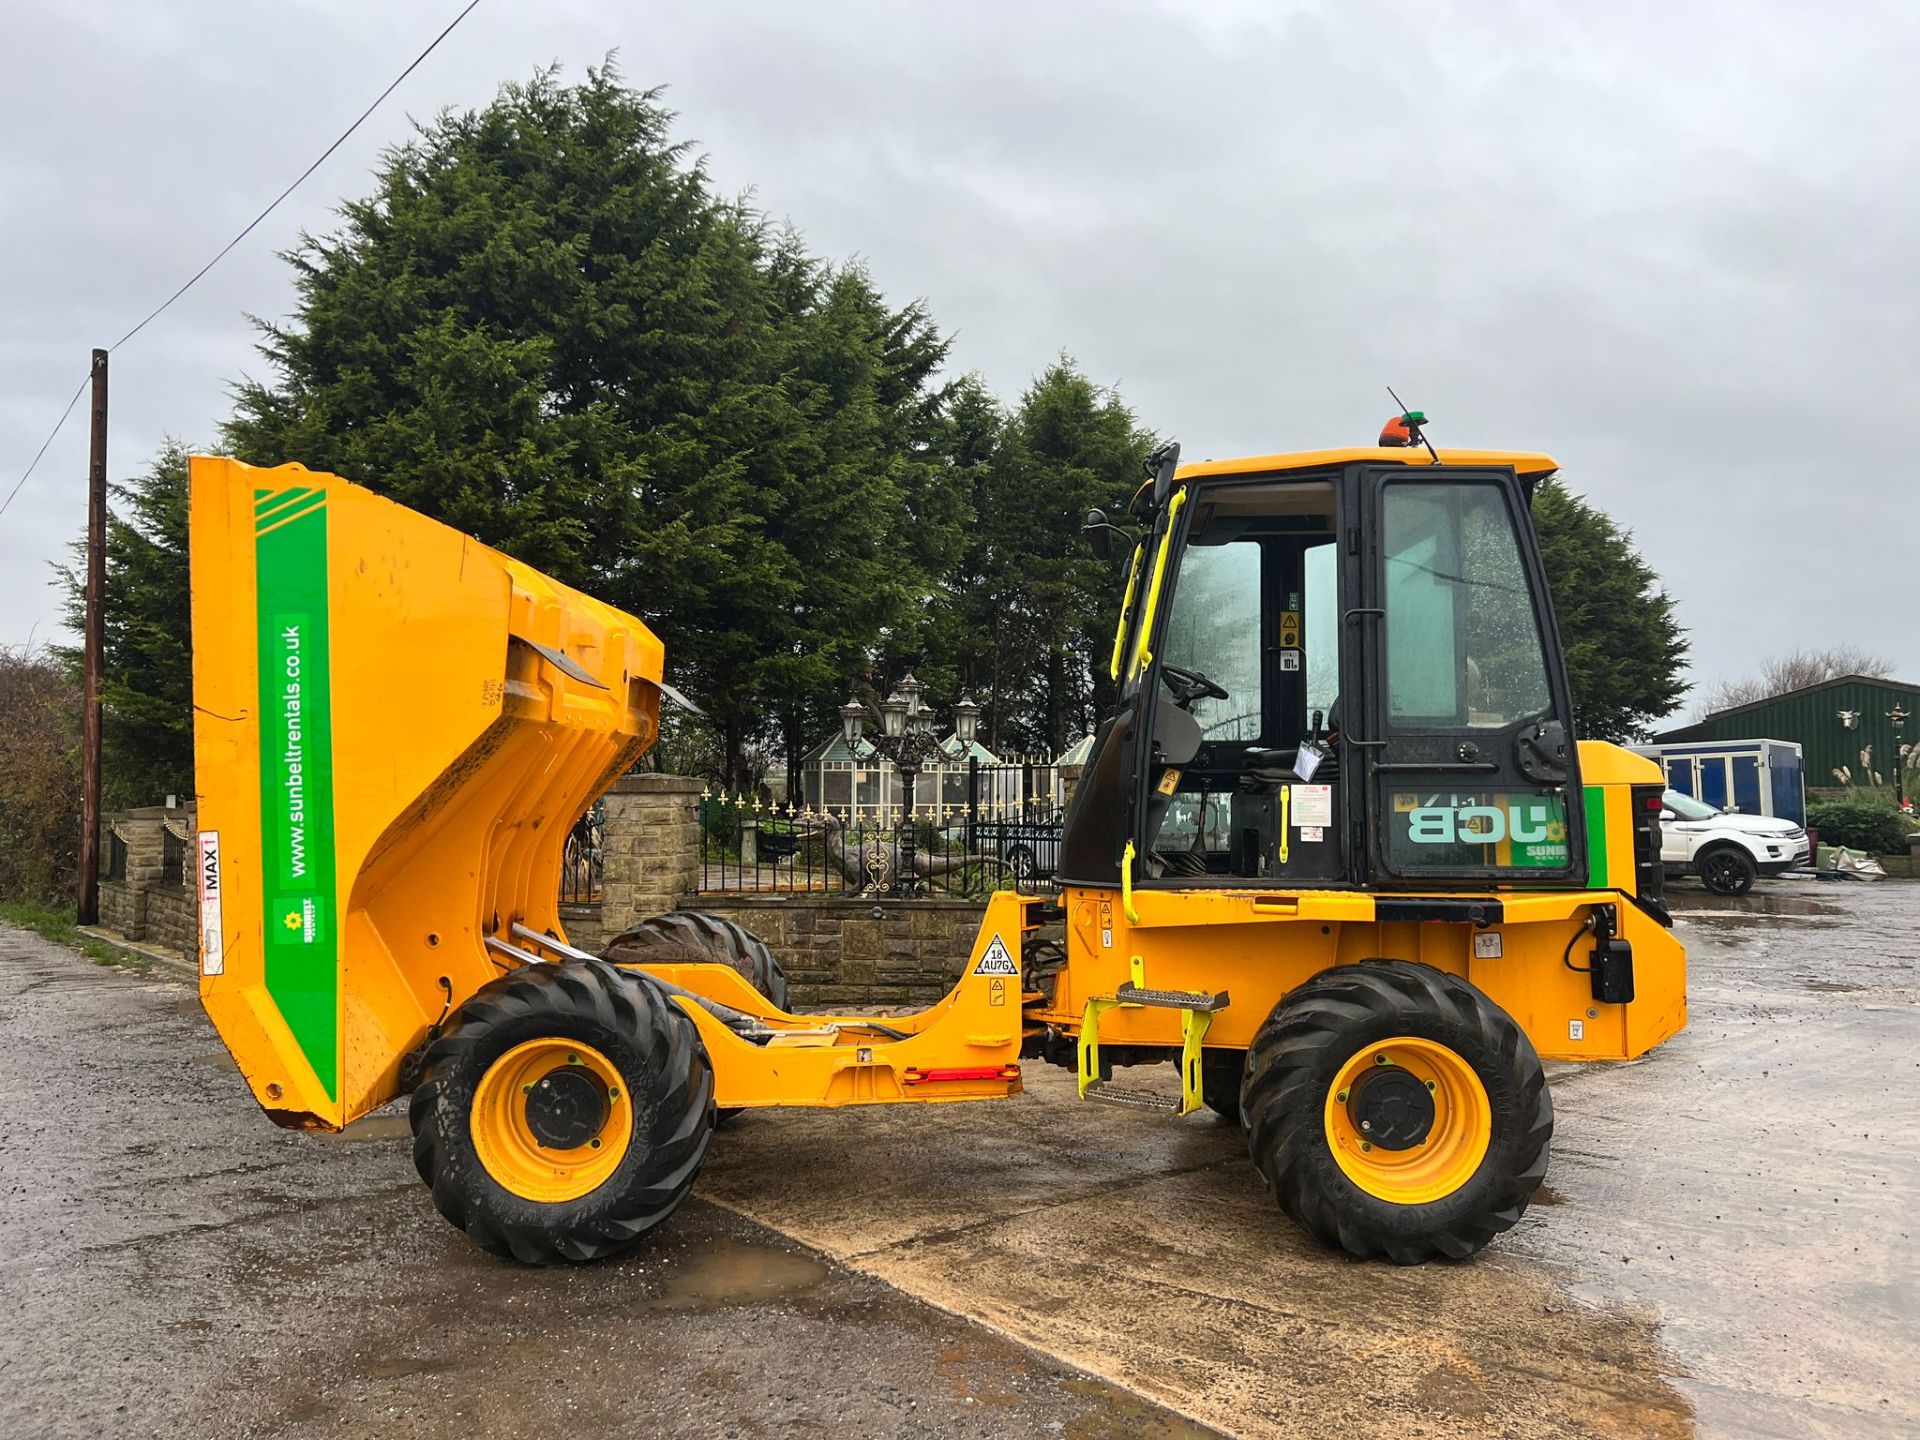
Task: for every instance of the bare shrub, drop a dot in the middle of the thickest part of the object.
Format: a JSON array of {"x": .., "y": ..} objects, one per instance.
[{"x": 39, "y": 777}]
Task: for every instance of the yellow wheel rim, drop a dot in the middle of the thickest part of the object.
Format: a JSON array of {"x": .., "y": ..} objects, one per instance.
[
  {"x": 535, "y": 1095},
  {"x": 1379, "y": 1138}
]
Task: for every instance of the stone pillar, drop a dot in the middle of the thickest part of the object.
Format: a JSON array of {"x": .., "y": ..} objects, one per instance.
[
  {"x": 1069, "y": 782},
  {"x": 651, "y": 844}
]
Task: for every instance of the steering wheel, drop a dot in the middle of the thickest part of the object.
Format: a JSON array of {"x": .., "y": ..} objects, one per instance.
[{"x": 1189, "y": 685}]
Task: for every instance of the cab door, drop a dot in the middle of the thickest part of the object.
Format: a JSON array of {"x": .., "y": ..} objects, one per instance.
[{"x": 1464, "y": 740}]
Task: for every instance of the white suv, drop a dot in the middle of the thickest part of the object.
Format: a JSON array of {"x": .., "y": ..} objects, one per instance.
[{"x": 1726, "y": 851}]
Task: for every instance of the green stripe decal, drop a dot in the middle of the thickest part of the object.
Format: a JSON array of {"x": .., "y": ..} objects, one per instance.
[
  {"x": 283, "y": 502},
  {"x": 1596, "y": 803},
  {"x": 296, "y": 776}
]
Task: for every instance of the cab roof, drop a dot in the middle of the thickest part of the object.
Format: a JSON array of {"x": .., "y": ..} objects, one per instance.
[{"x": 1522, "y": 462}]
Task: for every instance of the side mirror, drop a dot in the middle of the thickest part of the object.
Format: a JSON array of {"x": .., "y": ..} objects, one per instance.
[
  {"x": 1667, "y": 817},
  {"x": 1165, "y": 461},
  {"x": 1099, "y": 534}
]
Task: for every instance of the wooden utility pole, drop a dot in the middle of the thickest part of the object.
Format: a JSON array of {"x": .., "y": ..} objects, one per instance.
[{"x": 96, "y": 637}]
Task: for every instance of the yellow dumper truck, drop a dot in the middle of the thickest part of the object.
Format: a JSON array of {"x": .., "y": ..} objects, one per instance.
[{"x": 1335, "y": 855}]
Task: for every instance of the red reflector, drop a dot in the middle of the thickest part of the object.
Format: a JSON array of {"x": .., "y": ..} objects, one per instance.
[
  {"x": 962, "y": 1072},
  {"x": 1652, "y": 802}
]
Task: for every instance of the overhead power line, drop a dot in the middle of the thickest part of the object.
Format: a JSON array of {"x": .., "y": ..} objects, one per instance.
[
  {"x": 249, "y": 228},
  {"x": 77, "y": 392}
]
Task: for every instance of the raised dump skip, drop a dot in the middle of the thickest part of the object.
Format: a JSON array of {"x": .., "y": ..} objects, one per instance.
[{"x": 394, "y": 727}]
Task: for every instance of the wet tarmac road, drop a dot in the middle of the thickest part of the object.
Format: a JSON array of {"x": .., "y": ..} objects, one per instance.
[{"x": 1724, "y": 1247}]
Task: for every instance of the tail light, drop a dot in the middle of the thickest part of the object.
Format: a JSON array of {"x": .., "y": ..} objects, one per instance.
[{"x": 1649, "y": 875}]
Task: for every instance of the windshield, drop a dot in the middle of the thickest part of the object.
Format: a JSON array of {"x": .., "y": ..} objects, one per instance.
[
  {"x": 1215, "y": 629},
  {"x": 1688, "y": 808}
]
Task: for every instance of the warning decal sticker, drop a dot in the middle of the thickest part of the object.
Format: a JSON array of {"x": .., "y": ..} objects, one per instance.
[
  {"x": 212, "y": 956},
  {"x": 996, "y": 961}
]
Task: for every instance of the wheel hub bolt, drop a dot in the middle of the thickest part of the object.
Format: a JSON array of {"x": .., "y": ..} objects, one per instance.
[
  {"x": 1380, "y": 1059},
  {"x": 1341, "y": 1098},
  {"x": 1366, "y": 1125},
  {"x": 1366, "y": 1145},
  {"x": 1430, "y": 1085}
]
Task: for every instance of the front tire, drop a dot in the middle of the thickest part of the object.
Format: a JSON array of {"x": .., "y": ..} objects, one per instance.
[
  {"x": 1727, "y": 870},
  {"x": 563, "y": 1113},
  {"x": 1396, "y": 1111}
]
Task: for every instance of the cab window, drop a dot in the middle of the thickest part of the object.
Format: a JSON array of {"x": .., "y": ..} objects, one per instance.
[
  {"x": 1214, "y": 628},
  {"x": 1463, "y": 644}
]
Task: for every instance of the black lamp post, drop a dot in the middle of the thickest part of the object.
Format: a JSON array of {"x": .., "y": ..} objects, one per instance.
[
  {"x": 908, "y": 737},
  {"x": 1899, "y": 718}
]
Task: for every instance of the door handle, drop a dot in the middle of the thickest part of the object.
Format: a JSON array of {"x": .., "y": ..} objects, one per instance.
[{"x": 1454, "y": 767}]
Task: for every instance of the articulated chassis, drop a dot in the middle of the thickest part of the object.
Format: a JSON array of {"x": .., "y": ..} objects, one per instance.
[{"x": 1160, "y": 975}]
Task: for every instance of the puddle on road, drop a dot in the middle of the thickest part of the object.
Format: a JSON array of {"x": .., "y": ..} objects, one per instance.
[
  {"x": 381, "y": 1126},
  {"x": 1124, "y": 1417},
  {"x": 1547, "y": 1195},
  {"x": 735, "y": 1272}
]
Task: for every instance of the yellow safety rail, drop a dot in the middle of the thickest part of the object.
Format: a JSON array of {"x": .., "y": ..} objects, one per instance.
[{"x": 1142, "y": 656}]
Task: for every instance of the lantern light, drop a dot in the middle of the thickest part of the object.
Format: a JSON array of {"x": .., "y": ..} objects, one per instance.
[
  {"x": 966, "y": 721},
  {"x": 893, "y": 716},
  {"x": 853, "y": 718}
]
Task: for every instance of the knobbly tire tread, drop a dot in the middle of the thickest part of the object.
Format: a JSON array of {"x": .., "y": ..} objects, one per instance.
[
  {"x": 1290, "y": 1068},
  {"x": 696, "y": 938},
  {"x": 691, "y": 937},
  {"x": 668, "y": 1080}
]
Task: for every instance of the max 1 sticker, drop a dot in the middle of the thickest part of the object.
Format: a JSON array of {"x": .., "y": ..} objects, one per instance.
[{"x": 213, "y": 958}]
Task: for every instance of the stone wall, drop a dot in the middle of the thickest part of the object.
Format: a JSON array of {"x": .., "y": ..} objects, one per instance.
[
  {"x": 142, "y": 904},
  {"x": 123, "y": 907},
  {"x": 173, "y": 920},
  {"x": 847, "y": 951},
  {"x": 650, "y": 842},
  {"x": 585, "y": 925}
]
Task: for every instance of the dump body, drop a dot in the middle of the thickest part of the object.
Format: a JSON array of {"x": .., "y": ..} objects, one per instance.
[{"x": 394, "y": 728}]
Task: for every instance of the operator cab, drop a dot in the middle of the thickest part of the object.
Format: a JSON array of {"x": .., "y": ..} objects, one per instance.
[{"x": 1334, "y": 669}]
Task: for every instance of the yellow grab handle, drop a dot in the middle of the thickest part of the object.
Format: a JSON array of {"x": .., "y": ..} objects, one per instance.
[{"x": 1126, "y": 886}]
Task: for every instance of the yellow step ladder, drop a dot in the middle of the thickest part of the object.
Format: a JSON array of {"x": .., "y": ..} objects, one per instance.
[{"x": 1196, "y": 1009}]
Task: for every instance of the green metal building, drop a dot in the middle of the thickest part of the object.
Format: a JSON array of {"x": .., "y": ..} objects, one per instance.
[{"x": 1816, "y": 718}]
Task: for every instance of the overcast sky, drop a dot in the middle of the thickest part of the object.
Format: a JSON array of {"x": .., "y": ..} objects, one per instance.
[{"x": 1672, "y": 244}]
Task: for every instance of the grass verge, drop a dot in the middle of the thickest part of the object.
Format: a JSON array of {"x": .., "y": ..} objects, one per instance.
[{"x": 60, "y": 927}]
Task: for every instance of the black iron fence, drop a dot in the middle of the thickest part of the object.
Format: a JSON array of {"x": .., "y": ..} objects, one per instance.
[
  {"x": 584, "y": 869},
  {"x": 1002, "y": 833},
  {"x": 173, "y": 857}
]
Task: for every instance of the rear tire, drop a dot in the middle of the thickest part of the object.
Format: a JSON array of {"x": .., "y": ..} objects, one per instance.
[
  {"x": 687, "y": 937},
  {"x": 1727, "y": 870},
  {"x": 563, "y": 1113},
  {"x": 1448, "y": 1150}
]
